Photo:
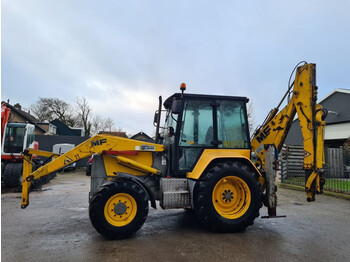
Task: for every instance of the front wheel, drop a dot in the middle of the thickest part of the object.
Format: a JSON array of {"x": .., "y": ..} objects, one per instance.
[
  {"x": 13, "y": 174},
  {"x": 228, "y": 197},
  {"x": 118, "y": 209}
]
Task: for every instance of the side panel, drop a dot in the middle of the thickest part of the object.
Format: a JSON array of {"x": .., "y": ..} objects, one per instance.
[
  {"x": 98, "y": 174},
  {"x": 113, "y": 165},
  {"x": 211, "y": 154}
]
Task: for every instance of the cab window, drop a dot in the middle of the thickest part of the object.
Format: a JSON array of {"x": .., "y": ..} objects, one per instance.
[
  {"x": 196, "y": 132},
  {"x": 14, "y": 139},
  {"x": 197, "y": 129},
  {"x": 30, "y": 136},
  {"x": 232, "y": 125},
  {"x": 170, "y": 121}
]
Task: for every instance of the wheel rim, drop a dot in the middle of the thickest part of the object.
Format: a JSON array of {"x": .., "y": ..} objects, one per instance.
[
  {"x": 120, "y": 209},
  {"x": 231, "y": 197}
]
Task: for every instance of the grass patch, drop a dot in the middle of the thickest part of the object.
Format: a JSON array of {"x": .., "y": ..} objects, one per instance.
[
  {"x": 332, "y": 184},
  {"x": 338, "y": 184}
]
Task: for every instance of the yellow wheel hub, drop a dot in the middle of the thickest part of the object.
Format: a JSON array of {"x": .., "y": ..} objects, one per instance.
[
  {"x": 231, "y": 197},
  {"x": 120, "y": 209}
]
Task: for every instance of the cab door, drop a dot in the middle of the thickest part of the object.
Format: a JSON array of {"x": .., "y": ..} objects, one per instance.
[{"x": 196, "y": 133}]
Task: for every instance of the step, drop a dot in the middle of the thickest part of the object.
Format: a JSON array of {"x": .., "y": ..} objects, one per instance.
[{"x": 175, "y": 193}]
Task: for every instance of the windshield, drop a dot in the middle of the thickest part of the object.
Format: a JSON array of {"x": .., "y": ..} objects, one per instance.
[{"x": 14, "y": 139}]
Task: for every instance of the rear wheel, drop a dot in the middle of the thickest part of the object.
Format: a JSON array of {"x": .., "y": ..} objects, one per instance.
[
  {"x": 13, "y": 174},
  {"x": 228, "y": 197},
  {"x": 118, "y": 209}
]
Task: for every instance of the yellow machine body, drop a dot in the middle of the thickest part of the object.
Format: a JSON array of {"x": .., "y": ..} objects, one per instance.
[
  {"x": 129, "y": 164},
  {"x": 124, "y": 155}
]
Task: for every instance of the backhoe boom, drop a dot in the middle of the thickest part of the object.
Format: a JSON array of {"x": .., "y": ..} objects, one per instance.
[{"x": 311, "y": 117}]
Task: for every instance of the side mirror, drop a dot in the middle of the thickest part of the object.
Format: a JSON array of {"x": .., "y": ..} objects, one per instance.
[
  {"x": 156, "y": 116},
  {"x": 176, "y": 107}
]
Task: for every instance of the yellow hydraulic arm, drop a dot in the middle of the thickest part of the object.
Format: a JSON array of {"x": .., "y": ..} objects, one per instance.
[
  {"x": 311, "y": 116},
  {"x": 101, "y": 144}
]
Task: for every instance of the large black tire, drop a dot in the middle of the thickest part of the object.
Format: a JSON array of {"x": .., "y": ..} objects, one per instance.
[
  {"x": 228, "y": 197},
  {"x": 13, "y": 174},
  {"x": 110, "y": 205}
]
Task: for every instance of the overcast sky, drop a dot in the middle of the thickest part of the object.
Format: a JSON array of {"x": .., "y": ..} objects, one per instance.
[{"x": 121, "y": 55}]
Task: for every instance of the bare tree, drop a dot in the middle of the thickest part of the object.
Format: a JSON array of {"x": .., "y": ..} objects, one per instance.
[
  {"x": 119, "y": 129},
  {"x": 97, "y": 124},
  {"x": 84, "y": 114},
  {"x": 103, "y": 124},
  {"x": 41, "y": 112},
  {"x": 53, "y": 108},
  {"x": 251, "y": 117},
  {"x": 108, "y": 124}
]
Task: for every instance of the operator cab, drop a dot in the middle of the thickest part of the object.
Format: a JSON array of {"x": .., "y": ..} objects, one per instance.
[
  {"x": 197, "y": 122},
  {"x": 17, "y": 137}
]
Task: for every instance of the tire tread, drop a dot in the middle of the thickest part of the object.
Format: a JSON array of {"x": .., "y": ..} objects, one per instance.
[
  {"x": 203, "y": 191},
  {"x": 99, "y": 199}
]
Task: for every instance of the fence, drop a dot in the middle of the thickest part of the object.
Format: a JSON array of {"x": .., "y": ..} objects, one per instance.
[{"x": 337, "y": 168}]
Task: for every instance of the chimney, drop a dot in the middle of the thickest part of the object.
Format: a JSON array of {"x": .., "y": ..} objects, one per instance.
[{"x": 18, "y": 106}]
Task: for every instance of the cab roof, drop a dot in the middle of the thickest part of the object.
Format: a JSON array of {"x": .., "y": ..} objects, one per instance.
[{"x": 176, "y": 96}]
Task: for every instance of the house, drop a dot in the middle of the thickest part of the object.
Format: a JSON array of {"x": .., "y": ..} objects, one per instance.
[
  {"x": 337, "y": 121},
  {"x": 48, "y": 127},
  {"x": 141, "y": 136},
  {"x": 17, "y": 115},
  {"x": 64, "y": 130}
]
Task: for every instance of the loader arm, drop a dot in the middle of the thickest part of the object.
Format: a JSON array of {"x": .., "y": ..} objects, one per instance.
[
  {"x": 101, "y": 144},
  {"x": 311, "y": 116}
]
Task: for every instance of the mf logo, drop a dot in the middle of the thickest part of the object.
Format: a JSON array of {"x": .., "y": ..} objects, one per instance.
[
  {"x": 264, "y": 134},
  {"x": 98, "y": 142}
]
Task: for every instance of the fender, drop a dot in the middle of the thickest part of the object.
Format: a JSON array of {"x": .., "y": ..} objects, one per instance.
[
  {"x": 210, "y": 155},
  {"x": 137, "y": 180}
]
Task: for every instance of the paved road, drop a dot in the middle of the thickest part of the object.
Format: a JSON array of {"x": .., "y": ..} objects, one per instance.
[{"x": 56, "y": 227}]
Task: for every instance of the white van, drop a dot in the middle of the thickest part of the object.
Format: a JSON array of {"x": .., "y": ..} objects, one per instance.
[{"x": 62, "y": 149}]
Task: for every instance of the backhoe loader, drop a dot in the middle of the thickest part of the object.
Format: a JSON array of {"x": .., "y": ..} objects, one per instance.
[{"x": 201, "y": 160}]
